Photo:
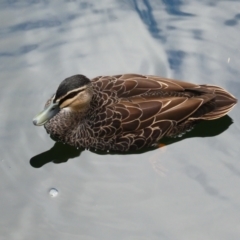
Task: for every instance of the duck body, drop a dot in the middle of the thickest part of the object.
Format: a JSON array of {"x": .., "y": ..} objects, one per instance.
[{"x": 130, "y": 111}]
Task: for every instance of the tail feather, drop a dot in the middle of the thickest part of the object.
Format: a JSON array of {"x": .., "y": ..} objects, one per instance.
[{"x": 224, "y": 102}]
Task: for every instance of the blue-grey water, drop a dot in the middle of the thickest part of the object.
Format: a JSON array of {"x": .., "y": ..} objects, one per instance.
[{"x": 186, "y": 190}]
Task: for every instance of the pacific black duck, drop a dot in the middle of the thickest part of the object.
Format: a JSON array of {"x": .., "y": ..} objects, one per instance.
[{"x": 128, "y": 112}]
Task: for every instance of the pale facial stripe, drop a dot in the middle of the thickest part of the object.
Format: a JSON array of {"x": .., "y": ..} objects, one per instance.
[{"x": 70, "y": 94}]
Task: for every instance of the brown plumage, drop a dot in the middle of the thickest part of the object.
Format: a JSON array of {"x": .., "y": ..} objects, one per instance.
[{"x": 130, "y": 111}]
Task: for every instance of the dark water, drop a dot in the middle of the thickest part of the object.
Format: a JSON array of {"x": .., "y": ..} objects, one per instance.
[{"x": 186, "y": 190}]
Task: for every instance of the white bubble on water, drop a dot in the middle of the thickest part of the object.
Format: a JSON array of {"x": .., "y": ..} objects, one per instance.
[{"x": 53, "y": 192}]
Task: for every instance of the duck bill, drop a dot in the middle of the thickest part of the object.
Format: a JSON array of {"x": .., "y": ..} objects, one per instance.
[{"x": 46, "y": 114}]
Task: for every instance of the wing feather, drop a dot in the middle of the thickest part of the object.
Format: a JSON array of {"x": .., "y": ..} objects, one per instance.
[
  {"x": 152, "y": 106},
  {"x": 129, "y": 85},
  {"x": 161, "y": 114}
]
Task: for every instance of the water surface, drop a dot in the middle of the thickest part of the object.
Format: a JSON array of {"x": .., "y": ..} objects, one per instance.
[{"x": 186, "y": 190}]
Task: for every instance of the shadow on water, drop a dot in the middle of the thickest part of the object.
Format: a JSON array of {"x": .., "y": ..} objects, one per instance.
[
  {"x": 204, "y": 129},
  {"x": 60, "y": 152}
]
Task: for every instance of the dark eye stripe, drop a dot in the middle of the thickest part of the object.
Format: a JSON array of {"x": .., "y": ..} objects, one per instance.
[{"x": 70, "y": 95}]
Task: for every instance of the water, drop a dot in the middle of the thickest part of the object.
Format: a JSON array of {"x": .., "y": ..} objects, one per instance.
[{"x": 188, "y": 189}]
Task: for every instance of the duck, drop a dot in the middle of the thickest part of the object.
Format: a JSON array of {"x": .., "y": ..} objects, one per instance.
[{"x": 129, "y": 111}]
